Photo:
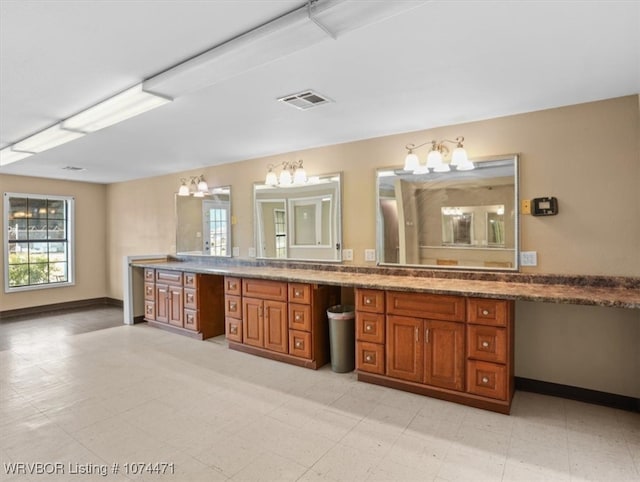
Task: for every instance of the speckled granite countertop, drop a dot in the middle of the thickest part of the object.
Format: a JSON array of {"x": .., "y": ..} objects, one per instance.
[{"x": 623, "y": 292}]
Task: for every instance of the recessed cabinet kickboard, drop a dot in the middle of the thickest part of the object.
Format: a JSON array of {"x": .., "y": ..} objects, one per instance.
[
  {"x": 186, "y": 303},
  {"x": 279, "y": 320},
  {"x": 450, "y": 347}
]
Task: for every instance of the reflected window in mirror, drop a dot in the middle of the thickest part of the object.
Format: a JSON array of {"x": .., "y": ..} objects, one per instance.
[
  {"x": 467, "y": 218},
  {"x": 203, "y": 224},
  {"x": 300, "y": 221}
]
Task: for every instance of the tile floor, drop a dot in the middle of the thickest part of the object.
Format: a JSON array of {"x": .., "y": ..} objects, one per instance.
[{"x": 138, "y": 395}]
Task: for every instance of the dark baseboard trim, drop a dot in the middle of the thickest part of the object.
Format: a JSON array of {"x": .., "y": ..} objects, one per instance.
[
  {"x": 613, "y": 400},
  {"x": 68, "y": 305}
]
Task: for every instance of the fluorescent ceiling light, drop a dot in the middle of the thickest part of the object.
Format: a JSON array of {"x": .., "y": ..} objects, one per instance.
[
  {"x": 47, "y": 139},
  {"x": 122, "y": 106},
  {"x": 294, "y": 31},
  {"x": 7, "y": 156}
]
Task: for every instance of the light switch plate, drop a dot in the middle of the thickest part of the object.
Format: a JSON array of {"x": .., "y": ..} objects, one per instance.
[
  {"x": 369, "y": 254},
  {"x": 236, "y": 251},
  {"x": 252, "y": 252},
  {"x": 529, "y": 258},
  {"x": 347, "y": 254}
]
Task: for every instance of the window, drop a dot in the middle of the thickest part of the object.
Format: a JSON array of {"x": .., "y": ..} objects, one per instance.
[{"x": 38, "y": 241}]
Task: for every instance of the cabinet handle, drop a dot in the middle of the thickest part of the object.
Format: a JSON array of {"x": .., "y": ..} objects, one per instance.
[
  {"x": 298, "y": 344},
  {"x": 233, "y": 329},
  {"x": 485, "y": 344},
  {"x": 232, "y": 286},
  {"x": 426, "y": 335},
  {"x": 232, "y": 306},
  {"x": 485, "y": 312},
  {"x": 298, "y": 317},
  {"x": 367, "y": 301},
  {"x": 368, "y": 328},
  {"x": 485, "y": 380},
  {"x": 417, "y": 335},
  {"x": 297, "y": 293},
  {"x": 368, "y": 358}
]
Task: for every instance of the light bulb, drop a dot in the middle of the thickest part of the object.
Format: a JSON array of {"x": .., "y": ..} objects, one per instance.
[
  {"x": 459, "y": 156},
  {"x": 300, "y": 177},
  {"x": 434, "y": 159},
  {"x": 271, "y": 179},
  {"x": 202, "y": 185},
  {"x": 184, "y": 190},
  {"x": 285, "y": 177}
]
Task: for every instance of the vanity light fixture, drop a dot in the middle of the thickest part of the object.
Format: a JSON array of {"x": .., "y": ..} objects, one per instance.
[
  {"x": 435, "y": 158},
  {"x": 197, "y": 187},
  {"x": 292, "y": 174}
]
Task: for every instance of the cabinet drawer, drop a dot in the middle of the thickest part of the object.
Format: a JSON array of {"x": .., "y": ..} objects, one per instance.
[
  {"x": 487, "y": 379},
  {"x": 300, "y": 343},
  {"x": 422, "y": 305},
  {"x": 370, "y": 300},
  {"x": 190, "y": 280},
  {"x": 149, "y": 291},
  {"x": 150, "y": 310},
  {"x": 149, "y": 274},
  {"x": 300, "y": 317},
  {"x": 299, "y": 293},
  {"x": 488, "y": 343},
  {"x": 232, "y": 286},
  {"x": 233, "y": 331},
  {"x": 370, "y": 327},
  {"x": 191, "y": 320},
  {"x": 370, "y": 357},
  {"x": 264, "y": 289},
  {"x": 233, "y": 306},
  {"x": 169, "y": 277},
  {"x": 488, "y": 312},
  {"x": 190, "y": 298}
]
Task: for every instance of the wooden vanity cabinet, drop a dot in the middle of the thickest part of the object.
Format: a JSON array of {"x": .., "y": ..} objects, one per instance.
[
  {"x": 183, "y": 302},
  {"x": 450, "y": 347},
  {"x": 279, "y": 320}
]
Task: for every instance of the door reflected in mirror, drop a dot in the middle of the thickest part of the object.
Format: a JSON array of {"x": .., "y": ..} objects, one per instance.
[
  {"x": 460, "y": 219},
  {"x": 300, "y": 222},
  {"x": 203, "y": 224}
]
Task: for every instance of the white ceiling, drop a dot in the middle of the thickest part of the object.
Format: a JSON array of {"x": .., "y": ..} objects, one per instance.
[{"x": 438, "y": 63}]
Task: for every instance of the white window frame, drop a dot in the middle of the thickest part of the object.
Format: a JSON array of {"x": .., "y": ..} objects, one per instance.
[{"x": 70, "y": 202}]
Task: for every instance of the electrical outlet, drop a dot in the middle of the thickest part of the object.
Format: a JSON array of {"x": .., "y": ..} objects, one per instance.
[
  {"x": 369, "y": 254},
  {"x": 236, "y": 251},
  {"x": 525, "y": 206},
  {"x": 529, "y": 258},
  {"x": 252, "y": 252},
  {"x": 347, "y": 254}
]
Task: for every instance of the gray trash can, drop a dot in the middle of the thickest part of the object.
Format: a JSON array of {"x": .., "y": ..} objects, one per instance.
[{"x": 342, "y": 338}]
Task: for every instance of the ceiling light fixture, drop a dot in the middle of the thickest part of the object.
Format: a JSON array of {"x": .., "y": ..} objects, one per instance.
[
  {"x": 122, "y": 106},
  {"x": 292, "y": 174},
  {"x": 197, "y": 187},
  {"x": 8, "y": 155},
  {"x": 436, "y": 157},
  {"x": 47, "y": 139}
]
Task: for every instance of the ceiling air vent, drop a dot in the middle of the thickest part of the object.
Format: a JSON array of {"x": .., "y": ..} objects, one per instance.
[
  {"x": 73, "y": 168},
  {"x": 305, "y": 100}
]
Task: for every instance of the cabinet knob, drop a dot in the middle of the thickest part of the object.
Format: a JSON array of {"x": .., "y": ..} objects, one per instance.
[
  {"x": 368, "y": 328},
  {"x": 233, "y": 329},
  {"x": 297, "y": 293},
  {"x": 233, "y": 305},
  {"x": 485, "y": 312},
  {"x": 232, "y": 286},
  {"x": 485, "y": 344},
  {"x": 298, "y": 317},
  {"x": 368, "y": 358},
  {"x": 298, "y": 344},
  {"x": 367, "y": 301},
  {"x": 485, "y": 380}
]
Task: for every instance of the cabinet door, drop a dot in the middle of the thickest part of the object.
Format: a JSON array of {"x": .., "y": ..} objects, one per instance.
[
  {"x": 276, "y": 328},
  {"x": 162, "y": 303},
  {"x": 404, "y": 348},
  {"x": 444, "y": 354},
  {"x": 252, "y": 322},
  {"x": 176, "y": 308}
]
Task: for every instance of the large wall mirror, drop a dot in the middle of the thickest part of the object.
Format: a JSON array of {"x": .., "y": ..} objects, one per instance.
[
  {"x": 203, "y": 224},
  {"x": 300, "y": 222},
  {"x": 457, "y": 219}
]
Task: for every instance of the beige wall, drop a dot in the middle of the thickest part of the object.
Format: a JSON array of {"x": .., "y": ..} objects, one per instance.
[{"x": 90, "y": 246}]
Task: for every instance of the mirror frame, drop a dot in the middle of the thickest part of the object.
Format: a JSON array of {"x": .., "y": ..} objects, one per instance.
[
  {"x": 515, "y": 158},
  {"x": 335, "y": 244},
  {"x": 210, "y": 197}
]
